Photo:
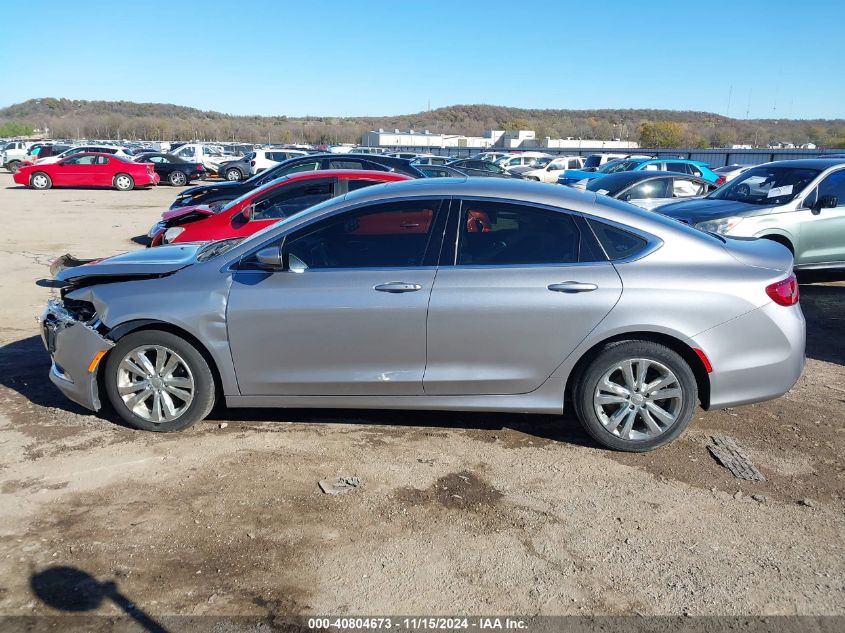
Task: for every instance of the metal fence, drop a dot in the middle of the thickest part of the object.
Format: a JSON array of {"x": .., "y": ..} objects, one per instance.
[{"x": 718, "y": 157}]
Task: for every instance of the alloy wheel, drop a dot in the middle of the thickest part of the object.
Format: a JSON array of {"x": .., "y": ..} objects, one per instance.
[
  {"x": 155, "y": 383},
  {"x": 638, "y": 399},
  {"x": 177, "y": 178},
  {"x": 123, "y": 182},
  {"x": 39, "y": 181}
]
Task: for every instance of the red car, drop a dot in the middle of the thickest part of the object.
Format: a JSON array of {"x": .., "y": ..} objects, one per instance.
[
  {"x": 262, "y": 206},
  {"x": 89, "y": 170}
]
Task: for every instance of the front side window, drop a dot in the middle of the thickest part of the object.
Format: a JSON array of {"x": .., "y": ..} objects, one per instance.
[
  {"x": 654, "y": 188},
  {"x": 289, "y": 200},
  {"x": 391, "y": 235},
  {"x": 834, "y": 185},
  {"x": 88, "y": 159},
  {"x": 496, "y": 233}
]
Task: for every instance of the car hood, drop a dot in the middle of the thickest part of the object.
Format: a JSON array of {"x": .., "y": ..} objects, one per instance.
[
  {"x": 147, "y": 262},
  {"x": 703, "y": 209},
  {"x": 179, "y": 212}
]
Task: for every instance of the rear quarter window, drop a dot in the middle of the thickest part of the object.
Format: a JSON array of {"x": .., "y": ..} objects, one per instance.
[{"x": 616, "y": 242}]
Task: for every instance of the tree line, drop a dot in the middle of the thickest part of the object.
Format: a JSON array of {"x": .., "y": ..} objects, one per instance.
[{"x": 66, "y": 118}]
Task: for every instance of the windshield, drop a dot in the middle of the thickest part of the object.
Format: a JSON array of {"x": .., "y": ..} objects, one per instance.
[
  {"x": 541, "y": 162},
  {"x": 592, "y": 161},
  {"x": 619, "y": 165},
  {"x": 767, "y": 184}
]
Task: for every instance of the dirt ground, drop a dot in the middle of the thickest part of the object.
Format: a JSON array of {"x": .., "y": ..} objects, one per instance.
[{"x": 456, "y": 513}]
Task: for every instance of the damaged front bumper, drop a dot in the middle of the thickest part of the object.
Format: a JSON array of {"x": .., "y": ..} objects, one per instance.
[{"x": 76, "y": 349}]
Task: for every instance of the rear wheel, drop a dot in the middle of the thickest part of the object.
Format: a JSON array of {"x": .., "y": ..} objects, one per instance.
[
  {"x": 40, "y": 180},
  {"x": 157, "y": 381},
  {"x": 636, "y": 396},
  {"x": 234, "y": 174},
  {"x": 124, "y": 182},
  {"x": 177, "y": 178},
  {"x": 13, "y": 166}
]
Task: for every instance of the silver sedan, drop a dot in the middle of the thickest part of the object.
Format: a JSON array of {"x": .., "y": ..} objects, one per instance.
[{"x": 459, "y": 294}]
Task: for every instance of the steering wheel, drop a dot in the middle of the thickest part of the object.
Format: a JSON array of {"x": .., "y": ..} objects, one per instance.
[{"x": 743, "y": 190}]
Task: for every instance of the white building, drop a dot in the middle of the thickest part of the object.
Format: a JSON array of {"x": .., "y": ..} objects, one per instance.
[
  {"x": 575, "y": 143},
  {"x": 518, "y": 139}
]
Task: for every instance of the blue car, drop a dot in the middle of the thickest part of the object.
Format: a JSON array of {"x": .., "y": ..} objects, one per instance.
[{"x": 678, "y": 165}]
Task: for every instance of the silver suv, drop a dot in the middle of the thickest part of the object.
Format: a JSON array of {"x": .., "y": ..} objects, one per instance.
[{"x": 798, "y": 203}]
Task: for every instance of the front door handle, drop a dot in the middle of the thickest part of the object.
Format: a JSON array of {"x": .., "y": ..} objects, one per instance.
[
  {"x": 398, "y": 286},
  {"x": 572, "y": 286}
]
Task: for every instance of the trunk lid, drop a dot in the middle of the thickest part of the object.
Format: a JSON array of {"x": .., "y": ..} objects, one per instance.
[{"x": 759, "y": 253}]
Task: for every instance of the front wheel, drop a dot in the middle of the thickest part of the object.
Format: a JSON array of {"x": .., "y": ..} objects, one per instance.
[
  {"x": 234, "y": 174},
  {"x": 40, "y": 180},
  {"x": 636, "y": 396},
  {"x": 13, "y": 166},
  {"x": 124, "y": 182},
  {"x": 177, "y": 178},
  {"x": 157, "y": 381}
]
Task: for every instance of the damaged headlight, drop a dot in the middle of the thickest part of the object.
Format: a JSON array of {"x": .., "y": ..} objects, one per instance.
[
  {"x": 172, "y": 233},
  {"x": 83, "y": 311}
]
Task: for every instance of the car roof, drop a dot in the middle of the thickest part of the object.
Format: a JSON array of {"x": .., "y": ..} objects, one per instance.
[
  {"x": 809, "y": 163},
  {"x": 636, "y": 176}
]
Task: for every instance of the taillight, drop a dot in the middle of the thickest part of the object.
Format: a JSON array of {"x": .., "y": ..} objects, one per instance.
[
  {"x": 200, "y": 167},
  {"x": 785, "y": 292},
  {"x": 252, "y": 163},
  {"x": 721, "y": 180}
]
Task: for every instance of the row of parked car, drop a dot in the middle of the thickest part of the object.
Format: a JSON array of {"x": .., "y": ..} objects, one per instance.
[{"x": 772, "y": 200}]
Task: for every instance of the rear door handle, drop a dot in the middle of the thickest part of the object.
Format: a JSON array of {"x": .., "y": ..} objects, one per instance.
[
  {"x": 572, "y": 286},
  {"x": 398, "y": 286}
]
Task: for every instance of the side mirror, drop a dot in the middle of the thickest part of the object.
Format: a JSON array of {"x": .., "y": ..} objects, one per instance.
[
  {"x": 248, "y": 213},
  {"x": 626, "y": 197},
  {"x": 270, "y": 258},
  {"x": 825, "y": 202}
]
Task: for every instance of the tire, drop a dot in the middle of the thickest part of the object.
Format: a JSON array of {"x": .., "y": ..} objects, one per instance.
[
  {"x": 13, "y": 166},
  {"x": 177, "y": 178},
  {"x": 234, "y": 174},
  {"x": 123, "y": 182},
  {"x": 635, "y": 423},
  {"x": 40, "y": 180},
  {"x": 176, "y": 398}
]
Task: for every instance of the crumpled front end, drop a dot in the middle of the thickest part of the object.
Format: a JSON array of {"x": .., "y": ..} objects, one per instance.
[{"x": 76, "y": 348}]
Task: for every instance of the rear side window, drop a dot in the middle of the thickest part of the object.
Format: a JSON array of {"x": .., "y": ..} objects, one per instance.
[
  {"x": 354, "y": 185},
  {"x": 355, "y": 164},
  {"x": 617, "y": 243},
  {"x": 494, "y": 233}
]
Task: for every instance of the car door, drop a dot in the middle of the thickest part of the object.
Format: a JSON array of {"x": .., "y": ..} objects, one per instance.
[
  {"x": 822, "y": 235},
  {"x": 520, "y": 289},
  {"x": 74, "y": 171},
  {"x": 104, "y": 169},
  {"x": 348, "y": 314}
]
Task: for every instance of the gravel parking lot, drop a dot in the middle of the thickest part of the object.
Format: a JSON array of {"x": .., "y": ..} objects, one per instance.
[{"x": 455, "y": 513}]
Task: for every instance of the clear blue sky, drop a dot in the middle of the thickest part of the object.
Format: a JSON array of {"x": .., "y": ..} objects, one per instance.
[{"x": 382, "y": 57}]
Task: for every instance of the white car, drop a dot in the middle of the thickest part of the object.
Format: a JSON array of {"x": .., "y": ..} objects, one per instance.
[
  {"x": 265, "y": 158},
  {"x": 519, "y": 160},
  {"x": 211, "y": 156},
  {"x": 101, "y": 149},
  {"x": 549, "y": 171},
  {"x": 732, "y": 171},
  {"x": 13, "y": 153}
]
